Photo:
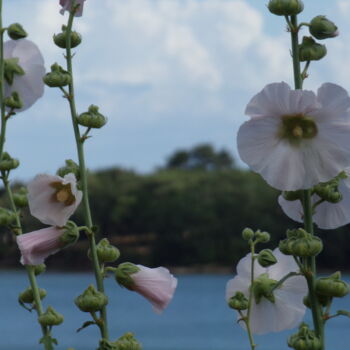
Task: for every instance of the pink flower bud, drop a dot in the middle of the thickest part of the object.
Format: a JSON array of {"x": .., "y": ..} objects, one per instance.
[
  {"x": 157, "y": 285},
  {"x": 67, "y": 6},
  {"x": 53, "y": 199},
  {"x": 36, "y": 246}
]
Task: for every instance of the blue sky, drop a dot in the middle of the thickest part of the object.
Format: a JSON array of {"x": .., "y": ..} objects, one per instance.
[{"x": 168, "y": 74}]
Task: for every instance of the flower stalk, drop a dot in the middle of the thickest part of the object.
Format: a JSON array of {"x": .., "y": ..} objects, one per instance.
[
  {"x": 83, "y": 173},
  {"x": 310, "y": 263}
]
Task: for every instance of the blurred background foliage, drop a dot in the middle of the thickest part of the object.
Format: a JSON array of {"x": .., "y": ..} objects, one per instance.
[{"x": 188, "y": 213}]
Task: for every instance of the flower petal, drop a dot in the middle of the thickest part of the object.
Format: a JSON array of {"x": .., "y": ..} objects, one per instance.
[
  {"x": 237, "y": 284},
  {"x": 293, "y": 209},
  {"x": 284, "y": 265},
  {"x": 244, "y": 267}
]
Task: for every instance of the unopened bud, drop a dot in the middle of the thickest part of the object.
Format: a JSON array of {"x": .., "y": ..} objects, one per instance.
[
  {"x": 310, "y": 50},
  {"x": 127, "y": 342},
  {"x": 8, "y": 163},
  {"x": 305, "y": 339},
  {"x": 322, "y": 28},
  {"x": 7, "y": 217},
  {"x": 13, "y": 101},
  {"x": 20, "y": 197},
  {"x": 70, "y": 167},
  {"x": 58, "y": 77},
  {"x": 262, "y": 237},
  {"x": 27, "y": 296},
  {"x": 92, "y": 118},
  {"x": 39, "y": 269},
  {"x": 266, "y": 258},
  {"x": 332, "y": 286},
  {"x": 60, "y": 39},
  {"x": 91, "y": 300},
  {"x": 106, "y": 252},
  {"x": 50, "y": 317},
  {"x": 16, "y": 31},
  {"x": 322, "y": 299},
  {"x": 247, "y": 234},
  {"x": 238, "y": 302},
  {"x": 285, "y": 7}
]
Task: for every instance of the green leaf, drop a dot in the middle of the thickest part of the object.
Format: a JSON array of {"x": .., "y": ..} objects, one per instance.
[
  {"x": 85, "y": 324},
  {"x": 343, "y": 313}
]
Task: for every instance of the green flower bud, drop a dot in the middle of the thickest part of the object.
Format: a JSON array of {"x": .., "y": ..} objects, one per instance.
[
  {"x": 16, "y": 31},
  {"x": 58, "y": 77},
  {"x": 123, "y": 272},
  {"x": 106, "y": 252},
  {"x": 310, "y": 50},
  {"x": 20, "y": 197},
  {"x": 305, "y": 339},
  {"x": 322, "y": 299},
  {"x": 13, "y": 101},
  {"x": 247, "y": 234},
  {"x": 92, "y": 118},
  {"x": 301, "y": 243},
  {"x": 238, "y": 302},
  {"x": 70, "y": 167},
  {"x": 266, "y": 258},
  {"x": 332, "y": 286},
  {"x": 292, "y": 195},
  {"x": 39, "y": 269},
  {"x": 50, "y": 317},
  {"x": 91, "y": 300},
  {"x": 322, "y": 28},
  {"x": 8, "y": 163},
  {"x": 262, "y": 288},
  {"x": 27, "y": 296},
  {"x": 285, "y": 7},
  {"x": 262, "y": 237},
  {"x": 12, "y": 68},
  {"x": 126, "y": 342},
  {"x": 60, "y": 39},
  {"x": 7, "y": 217},
  {"x": 329, "y": 191}
]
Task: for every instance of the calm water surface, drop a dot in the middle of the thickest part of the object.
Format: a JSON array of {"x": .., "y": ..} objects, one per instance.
[{"x": 197, "y": 318}]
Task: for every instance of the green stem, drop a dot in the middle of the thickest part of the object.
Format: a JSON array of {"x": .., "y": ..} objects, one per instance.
[
  {"x": 250, "y": 300},
  {"x": 83, "y": 177},
  {"x": 2, "y": 87},
  {"x": 282, "y": 280},
  {"x": 310, "y": 272}
]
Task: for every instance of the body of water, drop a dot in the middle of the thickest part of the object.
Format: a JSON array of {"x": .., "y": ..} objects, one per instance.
[{"x": 197, "y": 319}]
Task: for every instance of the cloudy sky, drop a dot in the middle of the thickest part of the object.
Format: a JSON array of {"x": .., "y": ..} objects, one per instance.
[{"x": 168, "y": 74}]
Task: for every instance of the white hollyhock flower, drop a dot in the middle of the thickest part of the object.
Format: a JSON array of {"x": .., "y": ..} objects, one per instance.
[
  {"x": 53, "y": 199},
  {"x": 327, "y": 215},
  {"x": 287, "y": 310},
  {"x": 36, "y": 246},
  {"x": 29, "y": 86},
  {"x": 67, "y": 6},
  {"x": 294, "y": 138}
]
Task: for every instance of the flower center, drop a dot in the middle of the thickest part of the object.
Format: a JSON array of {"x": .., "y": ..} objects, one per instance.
[
  {"x": 262, "y": 288},
  {"x": 63, "y": 193},
  {"x": 296, "y": 128}
]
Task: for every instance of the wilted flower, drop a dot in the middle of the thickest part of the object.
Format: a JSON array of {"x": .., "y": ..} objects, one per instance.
[
  {"x": 326, "y": 215},
  {"x": 294, "y": 138},
  {"x": 67, "y": 6},
  {"x": 36, "y": 246},
  {"x": 157, "y": 285},
  {"x": 53, "y": 199},
  {"x": 276, "y": 311},
  {"x": 29, "y": 85}
]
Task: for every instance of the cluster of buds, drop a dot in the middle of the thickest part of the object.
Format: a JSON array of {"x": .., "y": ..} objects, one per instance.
[
  {"x": 305, "y": 339},
  {"x": 92, "y": 118},
  {"x": 125, "y": 342},
  {"x": 60, "y": 39},
  {"x": 70, "y": 167},
  {"x": 58, "y": 77},
  {"x": 91, "y": 300},
  {"x": 50, "y": 317},
  {"x": 300, "y": 243},
  {"x": 332, "y": 286},
  {"x": 106, "y": 252},
  {"x": 8, "y": 163},
  {"x": 258, "y": 236},
  {"x": 7, "y": 217},
  {"x": 238, "y": 302},
  {"x": 329, "y": 191}
]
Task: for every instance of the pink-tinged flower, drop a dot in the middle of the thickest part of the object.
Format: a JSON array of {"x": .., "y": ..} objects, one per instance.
[
  {"x": 157, "y": 285},
  {"x": 326, "y": 215},
  {"x": 285, "y": 309},
  {"x": 53, "y": 199},
  {"x": 67, "y": 6},
  {"x": 294, "y": 138},
  {"x": 29, "y": 85},
  {"x": 36, "y": 246}
]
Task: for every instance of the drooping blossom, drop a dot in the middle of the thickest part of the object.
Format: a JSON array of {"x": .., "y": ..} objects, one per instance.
[
  {"x": 157, "y": 285},
  {"x": 36, "y": 246},
  {"x": 326, "y": 215},
  {"x": 53, "y": 199},
  {"x": 29, "y": 86},
  {"x": 287, "y": 309},
  {"x": 67, "y": 6},
  {"x": 296, "y": 139}
]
